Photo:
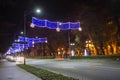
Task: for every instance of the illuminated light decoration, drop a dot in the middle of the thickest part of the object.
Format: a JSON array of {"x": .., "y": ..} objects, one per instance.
[
  {"x": 36, "y": 40},
  {"x": 14, "y": 50},
  {"x": 18, "y": 45},
  {"x": 85, "y": 53},
  {"x": 18, "y": 40},
  {"x": 72, "y": 53},
  {"x": 32, "y": 25},
  {"x": 55, "y": 25},
  {"x": 26, "y": 39},
  {"x": 58, "y": 29},
  {"x": 64, "y": 26},
  {"x": 30, "y": 40},
  {"x": 59, "y": 23},
  {"x": 31, "y": 45},
  {"x": 80, "y": 29},
  {"x": 75, "y": 25},
  {"x": 46, "y": 41},
  {"x": 33, "y": 42},
  {"x": 21, "y": 39},
  {"x": 38, "y": 22},
  {"x": 43, "y": 40},
  {"x": 52, "y": 25},
  {"x": 15, "y": 44}
]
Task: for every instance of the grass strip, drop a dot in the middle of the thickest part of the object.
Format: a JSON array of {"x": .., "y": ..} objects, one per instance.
[
  {"x": 44, "y": 74},
  {"x": 41, "y": 57},
  {"x": 113, "y": 57}
]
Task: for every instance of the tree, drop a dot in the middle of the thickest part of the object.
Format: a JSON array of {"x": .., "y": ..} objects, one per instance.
[{"x": 94, "y": 21}]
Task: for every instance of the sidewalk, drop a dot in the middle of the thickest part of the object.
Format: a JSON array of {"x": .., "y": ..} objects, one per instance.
[{"x": 9, "y": 71}]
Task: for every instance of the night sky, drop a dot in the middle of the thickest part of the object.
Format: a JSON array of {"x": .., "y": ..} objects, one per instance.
[{"x": 11, "y": 15}]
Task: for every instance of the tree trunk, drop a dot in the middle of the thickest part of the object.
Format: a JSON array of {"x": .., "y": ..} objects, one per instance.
[{"x": 111, "y": 48}]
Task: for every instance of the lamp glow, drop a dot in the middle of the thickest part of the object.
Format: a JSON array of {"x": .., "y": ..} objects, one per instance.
[
  {"x": 58, "y": 29},
  {"x": 38, "y": 10}
]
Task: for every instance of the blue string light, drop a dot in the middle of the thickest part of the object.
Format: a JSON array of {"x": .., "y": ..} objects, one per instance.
[
  {"x": 74, "y": 25},
  {"x": 64, "y": 26},
  {"x": 43, "y": 40},
  {"x": 55, "y": 25},
  {"x": 30, "y": 40},
  {"x": 38, "y": 22},
  {"x": 52, "y": 25}
]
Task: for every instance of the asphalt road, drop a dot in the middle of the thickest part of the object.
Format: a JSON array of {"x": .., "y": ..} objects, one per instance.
[{"x": 81, "y": 69}]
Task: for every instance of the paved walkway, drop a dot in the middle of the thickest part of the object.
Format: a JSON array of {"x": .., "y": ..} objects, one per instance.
[{"x": 9, "y": 71}]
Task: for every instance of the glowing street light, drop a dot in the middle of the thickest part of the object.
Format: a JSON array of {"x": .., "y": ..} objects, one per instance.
[
  {"x": 88, "y": 43},
  {"x": 38, "y": 11},
  {"x": 21, "y": 32}
]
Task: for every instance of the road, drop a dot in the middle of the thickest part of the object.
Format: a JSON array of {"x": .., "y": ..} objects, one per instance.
[{"x": 81, "y": 69}]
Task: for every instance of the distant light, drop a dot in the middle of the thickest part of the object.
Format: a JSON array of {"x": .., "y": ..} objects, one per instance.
[
  {"x": 15, "y": 40},
  {"x": 58, "y": 29},
  {"x": 58, "y": 49},
  {"x": 18, "y": 40},
  {"x": 46, "y": 41},
  {"x": 85, "y": 53},
  {"x": 86, "y": 41},
  {"x": 32, "y": 25},
  {"x": 58, "y": 52},
  {"x": 60, "y": 23},
  {"x": 36, "y": 37},
  {"x": 33, "y": 42},
  {"x": 72, "y": 53},
  {"x": 89, "y": 41},
  {"x": 22, "y": 32},
  {"x": 80, "y": 29},
  {"x": 72, "y": 44}
]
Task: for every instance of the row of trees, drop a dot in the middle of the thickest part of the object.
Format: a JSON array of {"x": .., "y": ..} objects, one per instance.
[{"x": 101, "y": 24}]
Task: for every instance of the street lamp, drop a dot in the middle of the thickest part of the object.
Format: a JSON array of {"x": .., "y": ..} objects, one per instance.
[
  {"x": 88, "y": 43},
  {"x": 21, "y": 32},
  {"x": 69, "y": 39},
  {"x": 24, "y": 32},
  {"x": 38, "y": 11}
]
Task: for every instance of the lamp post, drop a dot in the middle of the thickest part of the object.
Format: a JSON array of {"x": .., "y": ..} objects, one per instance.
[
  {"x": 69, "y": 41},
  {"x": 24, "y": 32}
]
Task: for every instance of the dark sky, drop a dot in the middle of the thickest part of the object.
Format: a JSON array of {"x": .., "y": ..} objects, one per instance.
[{"x": 11, "y": 15}]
